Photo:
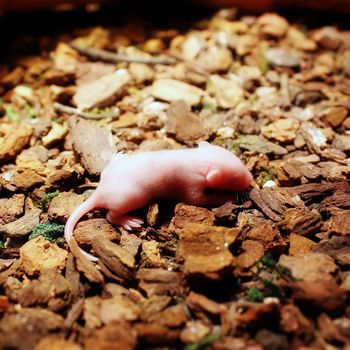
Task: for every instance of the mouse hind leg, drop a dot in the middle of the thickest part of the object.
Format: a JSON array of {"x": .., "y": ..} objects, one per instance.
[{"x": 127, "y": 221}]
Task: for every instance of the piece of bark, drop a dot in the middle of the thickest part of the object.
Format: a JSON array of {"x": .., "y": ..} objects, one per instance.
[
  {"x": 91, "y": 311},
  {"x": 227, "y": 92},
  {"x": 11, "y": 208},
  {"x": 84, "y": 265},
  {"x": 185, "y": 213},
  {"x": 339, "y": 199},
  {"x": 51, "y": 290},
  {"x": 271, "y": 340},
  {"x": 87, "y": 72},
  {"x": 102, "y": 91},
  {"x": 22, "y": 180},
  {"x": 246, "y": 314},
  {"x": 325, "y": 295},
  {"x": 63, "y": 205},
  {"x": 301, "y": 221},
  {"x": 23, "y": 226},
  {"x": 131, "y": 243},
  {"x": 24, "y": 328},
  {"x": 85, "y": 231},
  {"x": 253, "y": 251},
  {"x": 264, "y": 232},
  {"x": 293, "y": 321},
  {"x": 38, "y": 255},
  {"x": 205, "y": 250},
  {"x": 153, "y": 305},
  {"x": 183, "y": 124},
  {"x": 160, "y": 282},
  {"x": 74, "y": 313},
  {"x": 310, "y": 267},
  {"x": 282, "y": 130},
  {"x": 314, "y": 192},
  {"x": 151, "y": 255},
  {"x": 339, "y": 223},
  {"x": 234, "y": 342},
  {"x": 329, "y": 331},
  {"x": 337, "y": 247},
  {"x": 118, "y": 308},
  {"x": 5, "y": 264},
  {"x": 260, "y": 145},
  {"x": 194, "y": 331},
  {"x": 173, "y": 316},
  {"x": 272, "y": 202},
  {"x": 55, "y": 135},
  {"x": 271, "y": 24},
  {"x": 300, "y": 245},
  {"x": 94, "y": 145},
  {"x": 14, "y": 141},
  {"x": 150, "y": 333},
  {"x": 199, "y": 302},
  {"x": 13, "y": 78},
  {"x": 73, "y": 277},
  {"x": 334, "y": 116},
  {"x": 294, "y": 172},
  {"x": 115, "y": 335},
  {"x": 117, "y": 259},
  {"x": 171, "y": 90},
  {"x": 56, "y": 343}
]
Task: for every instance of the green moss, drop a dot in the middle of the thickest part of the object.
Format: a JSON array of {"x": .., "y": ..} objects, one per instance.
[
  {"x": 254, "y": 294},
  {"x": 11, "y": 114},
  {"x": 51, "y": 232},
  {"x": 30, "y": 111},
  {"x": 45, "y": 201},
  {"x": 265, "y": 175},
  {"x": 268, "y": 273},
  {"x": 238, "y": 143}
]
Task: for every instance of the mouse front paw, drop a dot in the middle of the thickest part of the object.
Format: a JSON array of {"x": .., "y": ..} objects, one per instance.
[{"x": 126, "y": 221}]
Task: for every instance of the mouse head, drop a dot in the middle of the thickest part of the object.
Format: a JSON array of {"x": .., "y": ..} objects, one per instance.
[{"x": 226, "y": 171}]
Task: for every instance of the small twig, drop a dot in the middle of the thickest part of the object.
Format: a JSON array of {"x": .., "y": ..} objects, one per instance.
[
  {"x": 107, "y": 56},
  {"x": 72, "y": 110}
]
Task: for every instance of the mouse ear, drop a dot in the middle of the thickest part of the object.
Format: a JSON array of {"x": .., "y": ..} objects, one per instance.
[
  {"x": 204, "y": 144},
  {"x": 213, "y": 175}
]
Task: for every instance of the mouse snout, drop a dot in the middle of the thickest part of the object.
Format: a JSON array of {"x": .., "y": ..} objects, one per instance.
[{"x": 241, "y": 177}]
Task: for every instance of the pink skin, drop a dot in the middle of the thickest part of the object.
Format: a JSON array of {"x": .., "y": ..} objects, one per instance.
[{"x": 130, "y": 182}]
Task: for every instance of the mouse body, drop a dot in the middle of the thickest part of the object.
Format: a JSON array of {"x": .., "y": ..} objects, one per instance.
[{"x": 131, "y": 182}]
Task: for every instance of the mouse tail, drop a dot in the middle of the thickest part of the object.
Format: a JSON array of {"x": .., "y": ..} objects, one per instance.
[{"x": 77, "y": 214}]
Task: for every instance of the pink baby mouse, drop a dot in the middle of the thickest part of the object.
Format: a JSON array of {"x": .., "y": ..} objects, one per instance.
[{"x": 130, "y": 182}]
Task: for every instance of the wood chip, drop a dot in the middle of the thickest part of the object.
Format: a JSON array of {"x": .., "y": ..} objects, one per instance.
[
  {"x": 94, "y": 145},
  {"x": 11, "y": 208},
  {"x": 23, "y": 226},
  {"x": 115, "y": 335},
  {"x": 171, "y": 90},
  {"x": 117, "y": 259},
  {"x": 228, "y": 93},
  {"x": 102, "y": 91},
  {"x": 184, "y": 124},
  {"x": 38, "y": 255},
  {"x": 205, "y": 250}
]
